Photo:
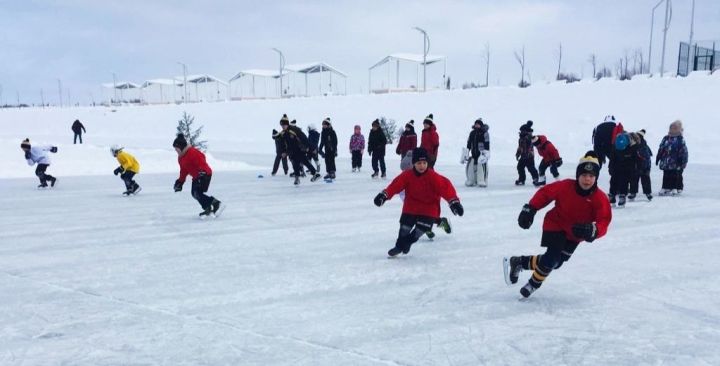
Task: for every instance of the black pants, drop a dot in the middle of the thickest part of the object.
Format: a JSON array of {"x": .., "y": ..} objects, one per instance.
[
  {"x": 330, "y": 162},
  {"x": 314, "y": 157},
  {"x": 77, "y": 135},
  {"x": 603, "y": 152},
  {"x": 553, "y": 168},
  {"x": 199, "y": 187},
  {"x": 276, "y": 164},
  {"x": 378, "y": 158},
  {"x": 40, "y": 173},
  {"x": 559, "y": 250},
  {"x": 298, "y": 160},
  {"x": 640, "y": 178},
  {"x": 127, "y": 177},
  {"x": 529, "y": 164},
  {"x": 412, "y": 228},
  {"x": 356, "y": 159},
  {"x": 672, "y": 179},
  {"x": 619, "y": 182}
]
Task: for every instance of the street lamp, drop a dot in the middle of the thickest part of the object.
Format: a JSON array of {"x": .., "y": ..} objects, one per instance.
[
  {"x": 60, "y": 92},
  {"x": 668, "y": 16},
  {"x": 426, "y": 49},
  {"x": 282, "y": 67},
  {"x": 114, "y": 87},
  {"x": 184, "y": 81}
]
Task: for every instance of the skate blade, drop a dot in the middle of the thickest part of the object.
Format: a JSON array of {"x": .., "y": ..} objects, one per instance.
[
  {"x": 219, "y": 211},
  {"x": 506, "y": 270}
]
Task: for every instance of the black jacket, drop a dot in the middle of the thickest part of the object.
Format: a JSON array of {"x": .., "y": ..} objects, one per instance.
[
  {"x": 294, "y": 140},
  {"x": 624, "y": 161},
  {"x": 602, "y": 136},
  {"x": 478, "y": 140},
  {"x": 77, "y": 126},
  {"x": 377, "y": 141},
  {"x": 328, "y": 142},
  {"x": 525, "y": 147},
  {"x": 313, "y": 139}
]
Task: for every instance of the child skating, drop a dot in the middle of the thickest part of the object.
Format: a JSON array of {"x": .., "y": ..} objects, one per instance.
[
  {"x": 192, "y": 162},
  {"x": 128, "y": 168},
  {"x": 39, "y": 155}
]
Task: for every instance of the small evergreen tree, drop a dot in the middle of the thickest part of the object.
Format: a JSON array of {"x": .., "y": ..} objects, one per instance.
[
  {"x": 185, "y": 127},
  {"x": 389, "y": 127}
]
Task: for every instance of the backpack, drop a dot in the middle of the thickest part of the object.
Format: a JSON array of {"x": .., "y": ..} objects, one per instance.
[{"x": 622, "y": 141}]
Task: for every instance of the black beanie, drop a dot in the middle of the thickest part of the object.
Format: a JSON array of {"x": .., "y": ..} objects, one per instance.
[
  {"x": 326, "y": 121},
  {"x": 180, "y": 142},
  {"x": 284, "y": 120},
  {"x": 274, "y": 133},
  {"x": 25, "y": 144},
  {"x": 588, "y": 164},
  {"x": 376, "y": 122},
  {"x": 429, "y": 120},
  {"x": 478, "y": 121},
  {"x": 419, "y": 154},
  {"x": 527, "y": 127},
  {"x": 411, "y": 124}
]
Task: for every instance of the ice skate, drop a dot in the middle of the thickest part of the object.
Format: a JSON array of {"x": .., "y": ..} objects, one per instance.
[
  {"x": 511, "y": 269},
  {"x": 527, "y": 290},
  {"x": 445, "y": 225}
]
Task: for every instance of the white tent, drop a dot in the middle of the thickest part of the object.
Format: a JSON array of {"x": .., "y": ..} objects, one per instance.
[
  {"x": 203, "y": 79},
  {"x": 121, "y": 85},
  {"x": 317, "y": 68},
  {"x": 162, "y": 83},
  {"x": 261, "y": 73},
  {"x": 417, "y": 59}
]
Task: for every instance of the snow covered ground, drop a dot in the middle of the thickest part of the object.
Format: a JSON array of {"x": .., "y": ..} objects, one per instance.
[{"x": 299, "y": 275}]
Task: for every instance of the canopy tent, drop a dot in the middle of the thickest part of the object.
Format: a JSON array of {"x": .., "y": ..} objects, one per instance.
[
  {"x": 203, "y": 79},
  {"x": 161, "y": 83},
  {"x": 253, "y": 73},
  {"x": 317, "y": 68},
  {"x": 121, "y": 85},
  {"x": 407, "y": 57}
]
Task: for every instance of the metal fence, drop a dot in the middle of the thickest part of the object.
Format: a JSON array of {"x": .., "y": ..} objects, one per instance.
[{"x": 698, "y": 57}]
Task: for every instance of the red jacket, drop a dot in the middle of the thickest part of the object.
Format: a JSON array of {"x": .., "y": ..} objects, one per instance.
[
  {"x": 430, "y": 141},
  {"x": 407, "y": 143},
  {"x": 192, "y": 162},
  {"x": 572, "y": 208},
  {"x": 547, "y": 150},
  {"x": 422, "y": 192}
]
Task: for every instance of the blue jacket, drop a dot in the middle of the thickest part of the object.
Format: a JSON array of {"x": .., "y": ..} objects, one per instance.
[
  {"x": 313, "y": 139},
  {"x": 672, "y": 154},
  {"x": 644, "y": 162}
]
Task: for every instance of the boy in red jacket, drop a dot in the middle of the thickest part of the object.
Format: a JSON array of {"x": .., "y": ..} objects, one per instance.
[
  {"x": 192, "y": 162},
  {"x": 430, "y": 140},
  {"x": 550, "y": 158},
  {"x": 581, "y": 213},
  {"x": 421, "y": 208}
]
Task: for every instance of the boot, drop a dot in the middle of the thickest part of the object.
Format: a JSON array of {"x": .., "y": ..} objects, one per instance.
[
  {"x": 528, "y": 289},
  {"x": 52, "y": 181},
  {"x": 315, "y": 177},
  {"x": 649, "y": 197},
  {"x": 374, "y": 175},
  {"x": 519, "y": 182},
  {"x": 136, "y": 188},
  {"x": 621, "y": 201},
  {"x": 42, "y": 185},
  {"x": 445, "y": 225},
  {"x": 513, "y": 268},
  {"x": 631, "y": 196},
  {"x": 611, "y": 197},
  {"x": 664, "y": 192},
  {"x": 383, "y": 176},
  {"x": 297, "y": 181},
  {"x": 394, "y": 251},
  {"x": 430, "y": 234},
  {"x": 206, "y": 212}
]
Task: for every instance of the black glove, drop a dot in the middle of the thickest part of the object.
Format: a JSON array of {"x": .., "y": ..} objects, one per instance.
[
  {"x": 588, "y": 232},
  {"x": 369, "y": 152},
  {"x": 178, "y": 186},
  {"x": 558, "y": 163},
  {"x": 456, "y": 208},
  {"x": 27, "y": 154},
  {"x": 380, "y": 199},
  {"x": 118, "y": 170},
  {"x": 53, "y": 149},
  {"x": 527, "y": 215}
]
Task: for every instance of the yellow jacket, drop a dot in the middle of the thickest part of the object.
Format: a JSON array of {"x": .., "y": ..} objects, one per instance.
[{"x": 128, "y": 162}]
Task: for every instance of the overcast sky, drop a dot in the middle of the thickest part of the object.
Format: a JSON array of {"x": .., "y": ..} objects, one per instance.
[{"x": 82, "y": 42}]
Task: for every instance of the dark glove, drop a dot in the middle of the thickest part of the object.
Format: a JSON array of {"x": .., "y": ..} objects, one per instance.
[
  {"x": 380, "y": 199},
  {"x": 27, "y": 154},
  {"x": 369, "y": 152},
  {"x": 588, "y": 232},
  {"x": 456, "y": 208},
  {"x": 527, "y": 215},
  {"x": 558, "y": 163},
  {"x": 178, "y": 186},
  {"x": 118, "y": 170},
  {"x": 53, "y": 149}
]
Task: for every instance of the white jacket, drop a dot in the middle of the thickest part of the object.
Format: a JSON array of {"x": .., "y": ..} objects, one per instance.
[{"x": 39, "y": 154}]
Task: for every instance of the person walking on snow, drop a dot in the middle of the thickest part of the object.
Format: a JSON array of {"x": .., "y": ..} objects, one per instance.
[
  {"x": 78, "y": 129},
  {"x": 406, "y": 145},
  {"x": 357, "y": 146},
  {"x": 376, "y": 148},
  {"x": 478, "y": 145},
  {"x": 642, "y": 171},
  {"x": 328, "y": 148},
  {"x": 279, "y": 149},
  {"x": 550, "y": 158},
  {"x": 581, "y": 213},
  {"x": 672, "y": 158},
  {"x": 421, "y": 208},
  {"x": 525, "y": 155},
  {"x": 430, "y": 140},
  {"x": 39, "y": 155},
  {"x": 128, "y": 168},
  {"x": 192, "y": 162}
]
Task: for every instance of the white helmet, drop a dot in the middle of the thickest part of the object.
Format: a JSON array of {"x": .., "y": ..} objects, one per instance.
[{"x": 115, "y": 149}]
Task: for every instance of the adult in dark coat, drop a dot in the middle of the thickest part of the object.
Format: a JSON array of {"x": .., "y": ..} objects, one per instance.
[
  {"x": 603, "y": 139},
  {"x": 525, "y": 154},
  {"x": 279, "y": 150},
  {"x": 328, "y": 147},
  {"x": 376, "y": 148},
  {"x": 78, "y": 130}
]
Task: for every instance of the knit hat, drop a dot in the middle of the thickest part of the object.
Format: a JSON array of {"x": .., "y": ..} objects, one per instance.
[
  {"x": 357, "y": 127},
  {"x": 419, "y": 154},
  {"x": 641, "y": 133},
  {"x": 275, "y": 133},
  {"x": 677, "y": 124},
  {"x": 376, "y": 122},
  {"x": 326, "y": 122},
  {"x": 527, "y": 127},
  {"x": 609, "y": 118},
  {"x": 180, "y": 142},
  {"x": 410, "y": 124},
  {"x": 293, "y": 122},
  {"x": 429, "y": 120},
  {"x": 25, "y": 144},
  {"x": 478, "y": 121},
  {"x": 284, "y": 120},
  {"x": 588, "y": 164}
]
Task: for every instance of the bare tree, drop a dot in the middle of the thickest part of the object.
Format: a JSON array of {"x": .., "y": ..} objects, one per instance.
[
  {"x": 521, "y": 60},
  {"x": 639, "y": 56},
  {"x": 487, "y": 63},
  {"x": 593, "y": 60},
  {"x": 559, "y": 56}
]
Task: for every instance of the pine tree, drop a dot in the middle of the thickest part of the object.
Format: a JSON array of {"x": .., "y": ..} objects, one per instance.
[
  {"x": 185, "y": 127},
  {"x": 389, "y": 127}
]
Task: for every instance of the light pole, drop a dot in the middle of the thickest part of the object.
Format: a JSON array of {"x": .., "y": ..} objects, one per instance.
[
  {"x": 184, "y": 81},
  {"x": 426, "y": 49},
  {"x": 60, "y": 92},
  {"x": 668, "y": 17},
  {"x": 1, "y": 99},
  {"x": 114, "y": 87},
  {"x": 652, "y": 24},
  {"x": 692, "y": 25},
  {"x": 282, "y": 67}
]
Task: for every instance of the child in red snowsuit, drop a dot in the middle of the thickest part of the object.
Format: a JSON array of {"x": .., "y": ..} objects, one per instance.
[
  {"x": 550, "y": 158},
  {"x": 192, "y": 162},
  {"x": 423, "y": 189},
  {"x": 581, "y": 213}
]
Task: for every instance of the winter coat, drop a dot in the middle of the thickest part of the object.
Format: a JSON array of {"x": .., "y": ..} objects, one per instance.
[
  {"x": 422, "y": 192},
  {"x": 572, "y": 208},
  {"x": 128, "y": 162},
  {"x": 77, "y": 126},
  {"x": 624, "y": 161},
  {"x": 546, "y": 149},
  {"x": 430, "y": 141},
  {"x": 377, "y": 142},
  {"x": 328, "y": 142},
  {"x": 279, "y": 144},
  {"x": 39, "y": 155},
  {"x": 672, "y": 154},
  {"x": 525, "y": 148},
  {"x": 408, "y": 142},
  {"x": 357, "y": 142},
  {"x": 192, "y": 162},
  {"x": 644, "y": 162},
  {"x": 603, "y": 136},
  {"x": 295, "y": 141},
  {"x": 313, "y": 140},
  {"x": 478, "y": 140}
]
